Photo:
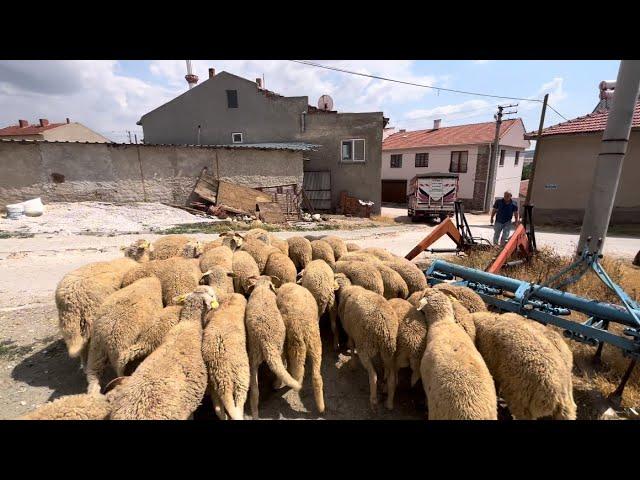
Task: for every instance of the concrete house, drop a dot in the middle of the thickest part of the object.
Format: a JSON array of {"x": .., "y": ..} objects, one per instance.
[
  {"x": 227, "y": 109},
  {"x": 462, "y": 149},
  {"x": 565, "y": 166},
  {"x": 51, "y": 132}
]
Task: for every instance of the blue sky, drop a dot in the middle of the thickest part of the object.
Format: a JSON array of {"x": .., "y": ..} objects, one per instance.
[{"x": 110, "y": 96}]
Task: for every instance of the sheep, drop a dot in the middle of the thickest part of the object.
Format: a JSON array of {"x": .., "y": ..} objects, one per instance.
[
  {"x": 118, "y": 322},
  {"x": 352, "y": 247},
  {"x": 412, "y": 337},
  {"x": 461, "y": 314},
  {"x": 280, "y": 266},
  {"x": 372, "y": 327},
  {"x": 72, "y": 407},
  {"x": 300, "y": 315},
  {"x": 363, "y": 274},
  {"x": 79, "y": 295},
  {"x": 259, "y": 251},
  {"x": 280, "y": 244},
  {"x": 360, "y": 257},
  {"x": 171, "y": 382},
  {"x": 467, "y": 297},
  {"x": 380, "y": 253},
  {"x": 257, "y": 234},
  {"x": 140, "y": 251},
  {"x": 244, "y": 268},
  {"x": 221, "y": 280},
  {"x": 221, "y": 256},
  {"x": 321, "y": 250},
  {"x": 177, "y": 275},
  {"x": 171, "y": 246},
  {"x": 393, "y": 284},
  {"x": 266, "y": 335},
  {"x": 224, "y": 351},
  {"x": 300, "y": 252},
  {"x": 318, "y": 278},
  {"x": 337, "y": 245},
  {"x": 410, "y": 273},
  {"x": 531, "y": 373},
  {"x": 455, "y": 378}
]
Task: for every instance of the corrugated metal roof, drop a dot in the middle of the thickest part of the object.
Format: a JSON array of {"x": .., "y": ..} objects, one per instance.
[{"x": 291, "y": 146}]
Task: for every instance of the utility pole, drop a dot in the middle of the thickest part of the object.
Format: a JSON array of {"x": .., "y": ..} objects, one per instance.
[
  {"x": 135, "y": 137},
  {"x": 491, "y": 173},
  {"x": 129, "y": 133},
  {"x": 535, "y": 151},
  {"x": 609, "y": 163}
]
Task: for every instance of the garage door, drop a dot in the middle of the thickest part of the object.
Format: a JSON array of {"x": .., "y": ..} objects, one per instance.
[
  {"x": 394, "y": 191},
  {"x": 317, "y": 186}
]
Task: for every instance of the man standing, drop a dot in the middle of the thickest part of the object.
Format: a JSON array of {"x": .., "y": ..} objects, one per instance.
[{"x": 505, "y": 209}]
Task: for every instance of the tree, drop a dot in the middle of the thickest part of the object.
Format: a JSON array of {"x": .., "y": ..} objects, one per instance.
[{"x": 526, "y": 171}]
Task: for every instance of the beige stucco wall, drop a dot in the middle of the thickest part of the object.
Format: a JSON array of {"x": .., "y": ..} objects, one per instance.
[{"x": 568, "y": 162}]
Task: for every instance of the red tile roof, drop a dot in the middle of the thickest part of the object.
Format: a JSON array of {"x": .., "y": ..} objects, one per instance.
[
  {"x": 14, "y": 130},
  {"x": 470, "y": 134},
  {"x": 594, "y": 122}
]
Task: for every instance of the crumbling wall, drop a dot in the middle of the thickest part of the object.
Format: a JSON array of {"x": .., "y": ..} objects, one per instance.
[{"x": 71, "y": 172}]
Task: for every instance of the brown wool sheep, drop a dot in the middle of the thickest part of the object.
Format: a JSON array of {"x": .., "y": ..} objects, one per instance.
[
  {"x": 259, "y": 251},
  {"x": 461, "y": 314},
  {"x": 117, "y": 325},
  {"x": 394, "y": 285},
  {"x": 79, "y": 295},
  {"x": 467, "y": 297},
  {"x": 300, "y": 252},
  {"x": 410, "y": 273},
  {"x": 177, "y": 275},
  {"x": 337, "y": 244},
  {"x": 280, "y": 266},
  {"x": 412, "y": 337},
  {"x": 300, "y": 315},
  {"x": 220, "y": 280},
  {"x": 318, "y": 278},
  {"x": 455, "y": 378},
  {"x": 259, "y": 234},
  {"x": 72, "y": 407},
  {"x": 352, "y": 247},
  {"x": 244, "y": 268},
  {"x": 220, "y": 256},
  {"x": 224, "y": 351},
  {"x": 372, "y": 327},
  {"x": 379, "y": 253},
  {"x": 362, "y": 273},
  {"x": 360, "y": 257},
  {"x": 170, "y": 246},
  {"x": 266, "y": 335},
  {"x": 280, "y": 244},
  {"x": 171, "y": 382},
  {"x": 321, "y": 250},
  {"x": 530, "y": 372}
]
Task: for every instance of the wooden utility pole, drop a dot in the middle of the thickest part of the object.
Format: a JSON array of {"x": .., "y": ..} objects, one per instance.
[
  {"x": 491, "y": 173},
  {"x": 129, "y": 133},
  {"x": 536, "y": 149}
]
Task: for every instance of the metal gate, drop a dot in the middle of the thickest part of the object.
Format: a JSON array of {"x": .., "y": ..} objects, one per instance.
[{"x": 317, "y": 187}]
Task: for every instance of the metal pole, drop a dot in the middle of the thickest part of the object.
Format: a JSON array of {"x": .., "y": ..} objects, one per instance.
[
  {"x": 609, "y": 164},
  {"x": 536, "y": 150},
  {"x": 488, "y": 194}
]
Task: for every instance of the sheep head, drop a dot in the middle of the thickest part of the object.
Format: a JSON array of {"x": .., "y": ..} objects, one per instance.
[
  {"x": 139, "y": 250},
  {"x": 341, "y": 281},
  {"x": 435, "y": 305},
  {"x": 271, "y": 281},
  {"x": 232, "y": 239},
  {"x": 193, "y": 249},
  {"x": 201, "y": 300}
]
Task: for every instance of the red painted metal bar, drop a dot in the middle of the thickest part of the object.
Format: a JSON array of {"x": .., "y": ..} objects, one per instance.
[
  {"x": 447, "y": 227},
  {"x": 518, "y": 243}
]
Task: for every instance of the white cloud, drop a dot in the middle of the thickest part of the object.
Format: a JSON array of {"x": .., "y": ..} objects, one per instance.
[
  {"x": 480, "y": 62},
  {"x": 453, "y": 112},
  {"x": 555, "y": 90}
]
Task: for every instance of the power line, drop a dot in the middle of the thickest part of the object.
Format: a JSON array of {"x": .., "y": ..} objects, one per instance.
[{"x": 478, "y": 94}]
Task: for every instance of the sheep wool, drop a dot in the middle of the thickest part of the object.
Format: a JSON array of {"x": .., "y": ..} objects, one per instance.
[
  {"x": 171, "y": 382},
  {"x": 530, "y": 372},
  {"x": 461, "y": 315},
  {"x": 220, "y": 256},
  {"x": 79, "y": 295},
  {"x": 280, "y": 244},
  {"x": 118, "y": 323},
  {"x": 412, "y": 337},
  {"x": 362, "y": 273},
  {"x": 72, "y": 407},
  {"x": 300, "y": 252},
  {"x": 259, "y": 251},
  {"x": 380, "y": 253},
  {"x": 300, "y": 315},
  {"x": 455, "y": 378},
  {"x": 140, "y": 251},
  {"x": 266, "y": 335},
  {"x": 221, "y": 280},
  {"x": 467, "y": 297},
  {"x": 318, "y": 278},
  {"x": 321, "y": 250},
  {"x": 352, "y": 247},
  {"x": 393, "y": 284},
  {"x": 244, "y": 268},
  {"x": 169, "y": 246},
  {"x": 280, "y": 266},
  {"x": 337, "y": 244},
  {"x": 410, "y": 273},
  {"x": 224, "y": 351}
]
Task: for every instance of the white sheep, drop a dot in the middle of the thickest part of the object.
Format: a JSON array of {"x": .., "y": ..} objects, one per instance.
[
  {"x": 300, "y": 252},
  {"x": 244, "y": 268},
  {"x": 221, "y": 256},
  {"x": 280, "y": 266},
  {"x": 410, "y": 273},
  {"x": 300, "y": 315},
  {"x": 175, "y": 246},
  {"x": 337, "y": 245},
  {"x": 412, "y": 337},
  {"x": 321, "y": 250},
  {"x": 362, "y": 273}
]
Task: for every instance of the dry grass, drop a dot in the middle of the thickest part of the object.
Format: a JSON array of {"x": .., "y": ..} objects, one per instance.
[
  {"x": 603, "y": 379},
  {"x": 383, "y": 219}
]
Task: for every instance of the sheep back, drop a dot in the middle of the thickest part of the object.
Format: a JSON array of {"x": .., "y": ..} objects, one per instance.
[
  {"x": 280, "y": 266},
  {"x": 244, "y": 267},
  {"x": 337, "y": 245},
  {"x": 410, "y": 273},
  {"x": 318, "y": 278},
  {"x": 72, "y": 407},
  {"x": 300, "y": 252},
  {"x": 362, "y": 273},
  {"x": 321, "y": 250}
]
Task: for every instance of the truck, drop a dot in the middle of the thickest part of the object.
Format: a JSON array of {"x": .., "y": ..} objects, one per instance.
[{"x": 432, "y": 195}]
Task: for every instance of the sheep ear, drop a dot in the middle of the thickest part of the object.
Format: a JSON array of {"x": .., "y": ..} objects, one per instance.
[
  {"x": 422, "y": 303},
  {"x": 113, "y": 384},
  {"x": 232, "y": 275}
]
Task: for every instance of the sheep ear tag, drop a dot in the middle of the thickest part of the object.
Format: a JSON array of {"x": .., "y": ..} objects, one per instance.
[
  {"x": 336, "y": 285},
  {"x": 214, "y": 304},
  {"x": 452, "y": 298},
  {"x": 179, "y": 299}
]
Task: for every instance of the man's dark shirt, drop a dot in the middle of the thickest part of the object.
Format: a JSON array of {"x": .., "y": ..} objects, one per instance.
[{"x": 504, "y": 211}]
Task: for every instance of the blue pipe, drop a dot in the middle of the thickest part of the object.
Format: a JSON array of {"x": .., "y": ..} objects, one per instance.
[{"x": 556, "y": 297}]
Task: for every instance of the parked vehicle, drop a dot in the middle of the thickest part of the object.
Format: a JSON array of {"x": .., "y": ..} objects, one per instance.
[{"x": 432, "y": 195}]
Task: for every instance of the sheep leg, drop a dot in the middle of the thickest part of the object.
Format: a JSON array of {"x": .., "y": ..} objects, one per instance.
[
  {"x": 217, "y": 405},
  {"x": 278, "y": 383},
  {"x": 391, "y": 382},
  {"x": 315, "y": 354},
  {"x": 96, "y": 361},
  {"x": 373, "y": 380},
  {"x": 229, "y": 404},
  {"x": 414, "y": 363},
  {"x": 297, "y": 354},
  {"x": 333, "y": 317},
  {"x": 241, "y": 399},
  {"x": 253, "y": 389}
]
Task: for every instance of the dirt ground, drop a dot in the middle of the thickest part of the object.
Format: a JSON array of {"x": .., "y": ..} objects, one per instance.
[{"x": 35, "y": 368}]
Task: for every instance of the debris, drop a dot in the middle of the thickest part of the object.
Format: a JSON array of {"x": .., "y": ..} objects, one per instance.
[
  {"x": 316, "y": 217},
  {"x": 354, "y": 206}
]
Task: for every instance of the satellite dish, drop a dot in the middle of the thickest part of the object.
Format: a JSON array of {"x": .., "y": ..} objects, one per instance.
[{"x": 325, "y": 102}]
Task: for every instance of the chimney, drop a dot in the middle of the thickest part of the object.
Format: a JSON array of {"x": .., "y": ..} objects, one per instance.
[
  {"x": 402, "y": 130},
  {"x": 259, "y": 83},
  {"x": 44, "y": 122},
  {"x": 68, "y": 121},
  {"x": 212, "y": 72},
  {"x": 436, "y": 123},
  {"x": 23, "y": 123}
]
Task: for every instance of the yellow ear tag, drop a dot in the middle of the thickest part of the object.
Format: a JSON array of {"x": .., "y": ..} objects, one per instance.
[
  {"x": 214, "y": 304},
  {"x": 336, "y": 286},
  {"x": 452, "y": 298},
  {"x": 123, "y": 248}
]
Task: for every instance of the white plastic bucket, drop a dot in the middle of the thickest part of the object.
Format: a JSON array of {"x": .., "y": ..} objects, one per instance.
[
  {"x": 33, "y": 208},
  {"x": 15, "y": 211}
]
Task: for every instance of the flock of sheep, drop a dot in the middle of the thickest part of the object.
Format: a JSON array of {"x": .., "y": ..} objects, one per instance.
[{"x": 177, "y": 317}]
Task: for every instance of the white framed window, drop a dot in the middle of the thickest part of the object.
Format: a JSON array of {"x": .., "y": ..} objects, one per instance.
[
  {"x": 396, "y": 161},
  {"x": 236, "y": 137},
  {"x": 352, "y": 150}
]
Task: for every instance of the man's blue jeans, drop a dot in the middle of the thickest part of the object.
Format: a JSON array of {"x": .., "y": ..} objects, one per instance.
[{"x": 505, "y": 229}]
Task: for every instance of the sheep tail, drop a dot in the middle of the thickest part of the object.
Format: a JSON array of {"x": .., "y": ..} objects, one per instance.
[
  {"x": 75, "y": 345},
  {"x": 274, "y": 361},
  {"x": 230, "y": 406}
]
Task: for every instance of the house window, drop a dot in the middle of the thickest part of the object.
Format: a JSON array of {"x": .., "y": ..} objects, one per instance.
[
  {"x": 422, "y": 159},
  {"x": 236, "y": 137},
  {"x": 517, "y": 160},
  {"x": 353, "y": 150},
  {"x": 232, "y": 98},
  {"x": 459, "y": 162},
  {"x": 501, "y": 163},
  {"x": 396, "y": 161}
]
